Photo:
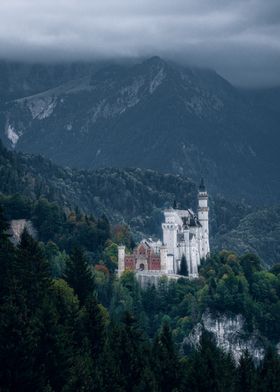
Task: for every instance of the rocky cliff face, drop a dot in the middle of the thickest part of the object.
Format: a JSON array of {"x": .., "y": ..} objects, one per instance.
[
  {"x": 16, "y": 229},
  {"x": 230, "y": 335}
]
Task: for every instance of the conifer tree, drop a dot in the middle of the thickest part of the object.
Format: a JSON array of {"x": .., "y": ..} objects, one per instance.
[
  {"x": 132, "y": 357},
  {"x": 166, "y": 361},
  {"x": 216, "y": 370},
  {"x": 94, "y": 326},
  {"x": 3, "y": 227},
  {"x": 269, "y": 372},
  {"x": 22, "y": 317},
  {"x": 112, "y": 369},
  {"x": 104, "y": 231},
  {"x": 79, "y": 275},
  {"x": 18, "y": 343},
  {"x": 7, "y": 252},
  {"x": 184, "y": 266},
  {"x": 34, "y": 270},
  {"x": 246, "y": 374}
]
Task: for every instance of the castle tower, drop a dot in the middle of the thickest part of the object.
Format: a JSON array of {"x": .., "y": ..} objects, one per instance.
[
  {"x": 169, "y": 228},
  {"x": 164, "y": 259},
  {"x": 194, "y": 258},
  {"x": 121, "y": 255},
  {"x": 203, "y": 217}
]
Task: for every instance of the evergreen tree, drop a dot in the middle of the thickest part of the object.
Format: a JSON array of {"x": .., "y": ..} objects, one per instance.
[
  {"x": 61, "y": 320},
  {"x": 246, "y": 374},
  {"x": 131, "y": 284},
  {"x": 250, "y": 263},
  {"x": 166, "y": 361},
  {"x": 184, "y": 266},
  {"x": 95, "y": 331},
  {"x": 7, "y": 252},
  {"x": 151, "y": 306},
  {"x": 94, "y": 320},
  {"x": 113, "y": 374},
  {"x": 21, "y": 321},
  {"x": 104, "y": 230},
  {"x": 79, "y": 275},
  {"x": 18, "y": 344},
  {"x": 131, "y": 367},
  {"x": 33, "y": 269},
  {"x": 269, "y": 372},
  {"x": 216, "y": 370},
  {"x": 4, "y": 226}
]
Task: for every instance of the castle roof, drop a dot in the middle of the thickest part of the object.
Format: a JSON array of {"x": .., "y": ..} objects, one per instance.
[{"x": 202, "y": 187}]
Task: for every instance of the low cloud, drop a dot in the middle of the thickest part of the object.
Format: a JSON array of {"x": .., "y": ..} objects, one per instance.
[{"x": 240, "y": 39}]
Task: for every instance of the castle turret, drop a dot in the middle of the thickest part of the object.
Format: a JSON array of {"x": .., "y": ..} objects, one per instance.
[
  {"x": 203, "y": 217},
  {"x": 121, "y": 256}
]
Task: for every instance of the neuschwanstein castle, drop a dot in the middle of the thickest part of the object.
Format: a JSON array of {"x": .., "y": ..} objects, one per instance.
[{"x": 184, "y": 233}]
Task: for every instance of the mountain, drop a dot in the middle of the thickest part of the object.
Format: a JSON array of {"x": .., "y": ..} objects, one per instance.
[
  {"x": 137, "y": 197},
  {"x": 18, "y": 79},
  {"x": 156, "y": 115},
  {"x": 257, "y": 232}
]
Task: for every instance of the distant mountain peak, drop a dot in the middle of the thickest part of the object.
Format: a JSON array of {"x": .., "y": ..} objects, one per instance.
[
  {"x": 154, "y": 64},
  {"x": 155, "y": 60},
  {"x": 154, "y": 114}
]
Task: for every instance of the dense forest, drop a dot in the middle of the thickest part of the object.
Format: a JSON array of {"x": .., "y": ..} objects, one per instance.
[
  {"x": 137, "y": 198},
  {"x": 68, "y": 324}
]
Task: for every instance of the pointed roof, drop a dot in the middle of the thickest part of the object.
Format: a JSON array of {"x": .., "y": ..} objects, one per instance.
[{"x": 202, "y": 187}]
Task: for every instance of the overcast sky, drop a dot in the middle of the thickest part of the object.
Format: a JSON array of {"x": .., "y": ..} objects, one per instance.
[{"x": 238, "y": 38}]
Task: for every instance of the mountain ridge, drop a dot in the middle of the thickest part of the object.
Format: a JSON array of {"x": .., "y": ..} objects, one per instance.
[{"x": 156, "y": 115}]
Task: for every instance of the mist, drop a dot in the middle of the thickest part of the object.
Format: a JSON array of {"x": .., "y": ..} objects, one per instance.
[{"x": 239, "y": 39}]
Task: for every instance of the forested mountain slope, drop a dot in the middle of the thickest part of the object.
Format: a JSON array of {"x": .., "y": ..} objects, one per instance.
[
  {"x": 258, "y": 232},
  {"x": 153, "y": 115},
  {"x": 137, "y": 197},
  {"x": 84, "y": 329}
]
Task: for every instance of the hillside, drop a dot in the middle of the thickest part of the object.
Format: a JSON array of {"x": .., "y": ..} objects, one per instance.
[
  {"x": 134, "y": 196},
  {"x": 81, "y": 328},
  {"x": 154, "y": 115},
  {"x": 137, "y": 197},
  {"x": 258, "y": 232}
]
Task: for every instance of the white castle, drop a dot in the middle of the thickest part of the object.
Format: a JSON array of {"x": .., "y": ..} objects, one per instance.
[{"x": 184, "y": 234}]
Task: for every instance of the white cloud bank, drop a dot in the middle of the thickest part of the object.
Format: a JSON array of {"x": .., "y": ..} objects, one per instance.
[{"x": 240, "y": 39}]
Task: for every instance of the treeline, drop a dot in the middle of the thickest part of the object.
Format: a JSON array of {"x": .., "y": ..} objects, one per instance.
[
  {"x": 137, "y": 198},
  {"x": 60, "y": 229},
  {"x": 141, "y": 194},
  {"x": 52, "y": 223},
  {"x": 84, "y": 330}
]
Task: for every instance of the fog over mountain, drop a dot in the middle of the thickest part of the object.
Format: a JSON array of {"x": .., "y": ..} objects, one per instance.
[{"x": 239, "y": 39}]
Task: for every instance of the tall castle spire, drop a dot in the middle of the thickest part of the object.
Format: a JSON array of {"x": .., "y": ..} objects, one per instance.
[{"x": 202, "y": 187}]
